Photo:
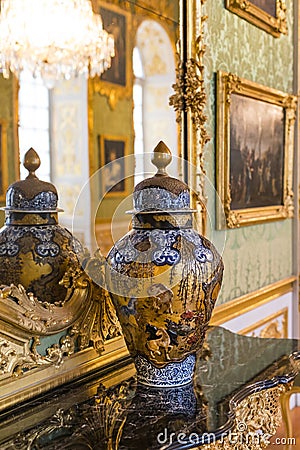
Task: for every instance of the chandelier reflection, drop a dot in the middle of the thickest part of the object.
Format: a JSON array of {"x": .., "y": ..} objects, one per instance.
[{"x": 54, "y": 39}]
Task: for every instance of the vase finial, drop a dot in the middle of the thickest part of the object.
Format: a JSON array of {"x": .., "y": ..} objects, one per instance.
[
  {"x": 161, "y": 158},
  {"x": 31, "y": 162}
]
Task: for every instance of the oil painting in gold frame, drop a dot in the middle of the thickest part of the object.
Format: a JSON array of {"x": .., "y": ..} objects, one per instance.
[
  {"x": 113, "y": 150},
  {"x": 255, "y": 142},
  {"x": 265, "y": 14},
  {"x": 116, "y": 82}
]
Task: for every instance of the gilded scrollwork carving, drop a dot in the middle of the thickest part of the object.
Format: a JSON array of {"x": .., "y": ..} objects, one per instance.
[
  {"x": 250, "y": 409},
  {"x": 231, "y": 216},
  {"x": 257, "y": 418},
  {"x": 60, "y": 420},
  {"x": 23, "y": 310},
  {"x": 100, "y": 322},
  {"x": 87, "y": 318},
  {"x": 272, "y": 330},
  {"x": 14, "y": 360},
  {"x": 7, "y": 355},
  {"x": 110, "y": 413},
  {"x": 190, "y": 98},
  {"x": 97, "y": 423},
  {"x": 190, "y": 95},
  {"x": 233, "y": 84},
  {"x": 55, "y": 355}
]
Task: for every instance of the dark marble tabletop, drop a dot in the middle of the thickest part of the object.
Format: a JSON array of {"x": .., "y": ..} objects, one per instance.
[{"x": 109, "y": 410}]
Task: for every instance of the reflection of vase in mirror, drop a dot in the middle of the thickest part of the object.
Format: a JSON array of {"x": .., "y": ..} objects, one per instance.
[
  {"x": 125, "y": 416},
  {"x": 35, "y": 251}
]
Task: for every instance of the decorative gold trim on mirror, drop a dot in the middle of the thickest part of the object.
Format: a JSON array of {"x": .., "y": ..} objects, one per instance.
[
  {"x": 190, "y": 99},
  {"x": 190, "y": 95},
  {"x": 25, "y": 312},
  {"x": 86, "y": 317}
]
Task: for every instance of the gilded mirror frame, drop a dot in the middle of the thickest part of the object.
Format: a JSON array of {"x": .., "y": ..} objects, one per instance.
[
  {"x": 91, "y": 316},
  {"x": 189, "y": 101}
]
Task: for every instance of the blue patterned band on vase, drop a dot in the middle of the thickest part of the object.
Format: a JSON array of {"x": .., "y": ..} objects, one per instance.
[
  {"x": 161, "y": 199},
  {"x": 171, "y": 375}
]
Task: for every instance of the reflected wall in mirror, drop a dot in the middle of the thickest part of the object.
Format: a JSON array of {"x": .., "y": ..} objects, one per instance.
[
  {"x": 132, "y": 99},
  {"x": 131, "y": 102}
]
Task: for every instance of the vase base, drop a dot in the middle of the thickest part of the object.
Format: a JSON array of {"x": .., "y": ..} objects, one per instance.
[{"x": 171, "y": 375}]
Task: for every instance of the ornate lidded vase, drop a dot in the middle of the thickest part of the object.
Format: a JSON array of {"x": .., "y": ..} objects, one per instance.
[
  {"x": 35, "y": 251},
  {"x": 164, "y": 279}
]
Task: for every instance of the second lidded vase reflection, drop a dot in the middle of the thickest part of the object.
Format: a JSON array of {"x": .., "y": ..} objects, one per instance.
[
  {"x": 35, "y": 251},
  {"x": 164, "y": 279}
]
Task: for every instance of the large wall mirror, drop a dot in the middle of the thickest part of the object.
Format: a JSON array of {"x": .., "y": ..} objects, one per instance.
[{"x": 91, "y": 123}]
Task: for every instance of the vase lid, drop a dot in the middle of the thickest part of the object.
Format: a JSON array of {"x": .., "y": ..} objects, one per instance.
[
  {"x": 31, "y": 195},
  {"x": 161, "y": 192}
]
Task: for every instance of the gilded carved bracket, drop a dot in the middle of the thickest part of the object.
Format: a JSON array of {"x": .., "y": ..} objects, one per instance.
[{"x": 190, "y": 95}]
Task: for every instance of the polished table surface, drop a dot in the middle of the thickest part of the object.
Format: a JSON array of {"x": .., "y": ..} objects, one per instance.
[{"x": 109, "y": 410}]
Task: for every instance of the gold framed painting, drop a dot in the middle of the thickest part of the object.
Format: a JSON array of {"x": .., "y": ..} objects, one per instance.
[
  {"x": 255, "y": 146},
  {"x": 114, "y": 178},
  {"x": 3, "y": 160},
  {"x": 116, "y": 82},
  {"x": 269, "y": 15}
]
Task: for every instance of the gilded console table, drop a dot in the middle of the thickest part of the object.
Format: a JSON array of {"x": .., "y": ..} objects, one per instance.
[{"x": 234, "y": 403}]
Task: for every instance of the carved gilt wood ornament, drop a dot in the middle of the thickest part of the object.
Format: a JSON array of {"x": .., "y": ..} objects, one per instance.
[
  {"x": 190, "y": 98},
  {"x": 248, "y": 433},
  {"x": 80, "y": 316}
]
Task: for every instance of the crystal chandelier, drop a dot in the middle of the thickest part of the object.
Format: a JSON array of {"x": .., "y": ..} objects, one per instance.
[{"x": 54, "y": 39}]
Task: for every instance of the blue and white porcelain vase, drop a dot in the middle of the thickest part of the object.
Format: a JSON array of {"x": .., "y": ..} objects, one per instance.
[{"x": 164, "y": 279}]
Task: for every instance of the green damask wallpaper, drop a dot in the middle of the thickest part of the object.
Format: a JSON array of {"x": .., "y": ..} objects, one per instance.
[{"x": 254, "y": 256}]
